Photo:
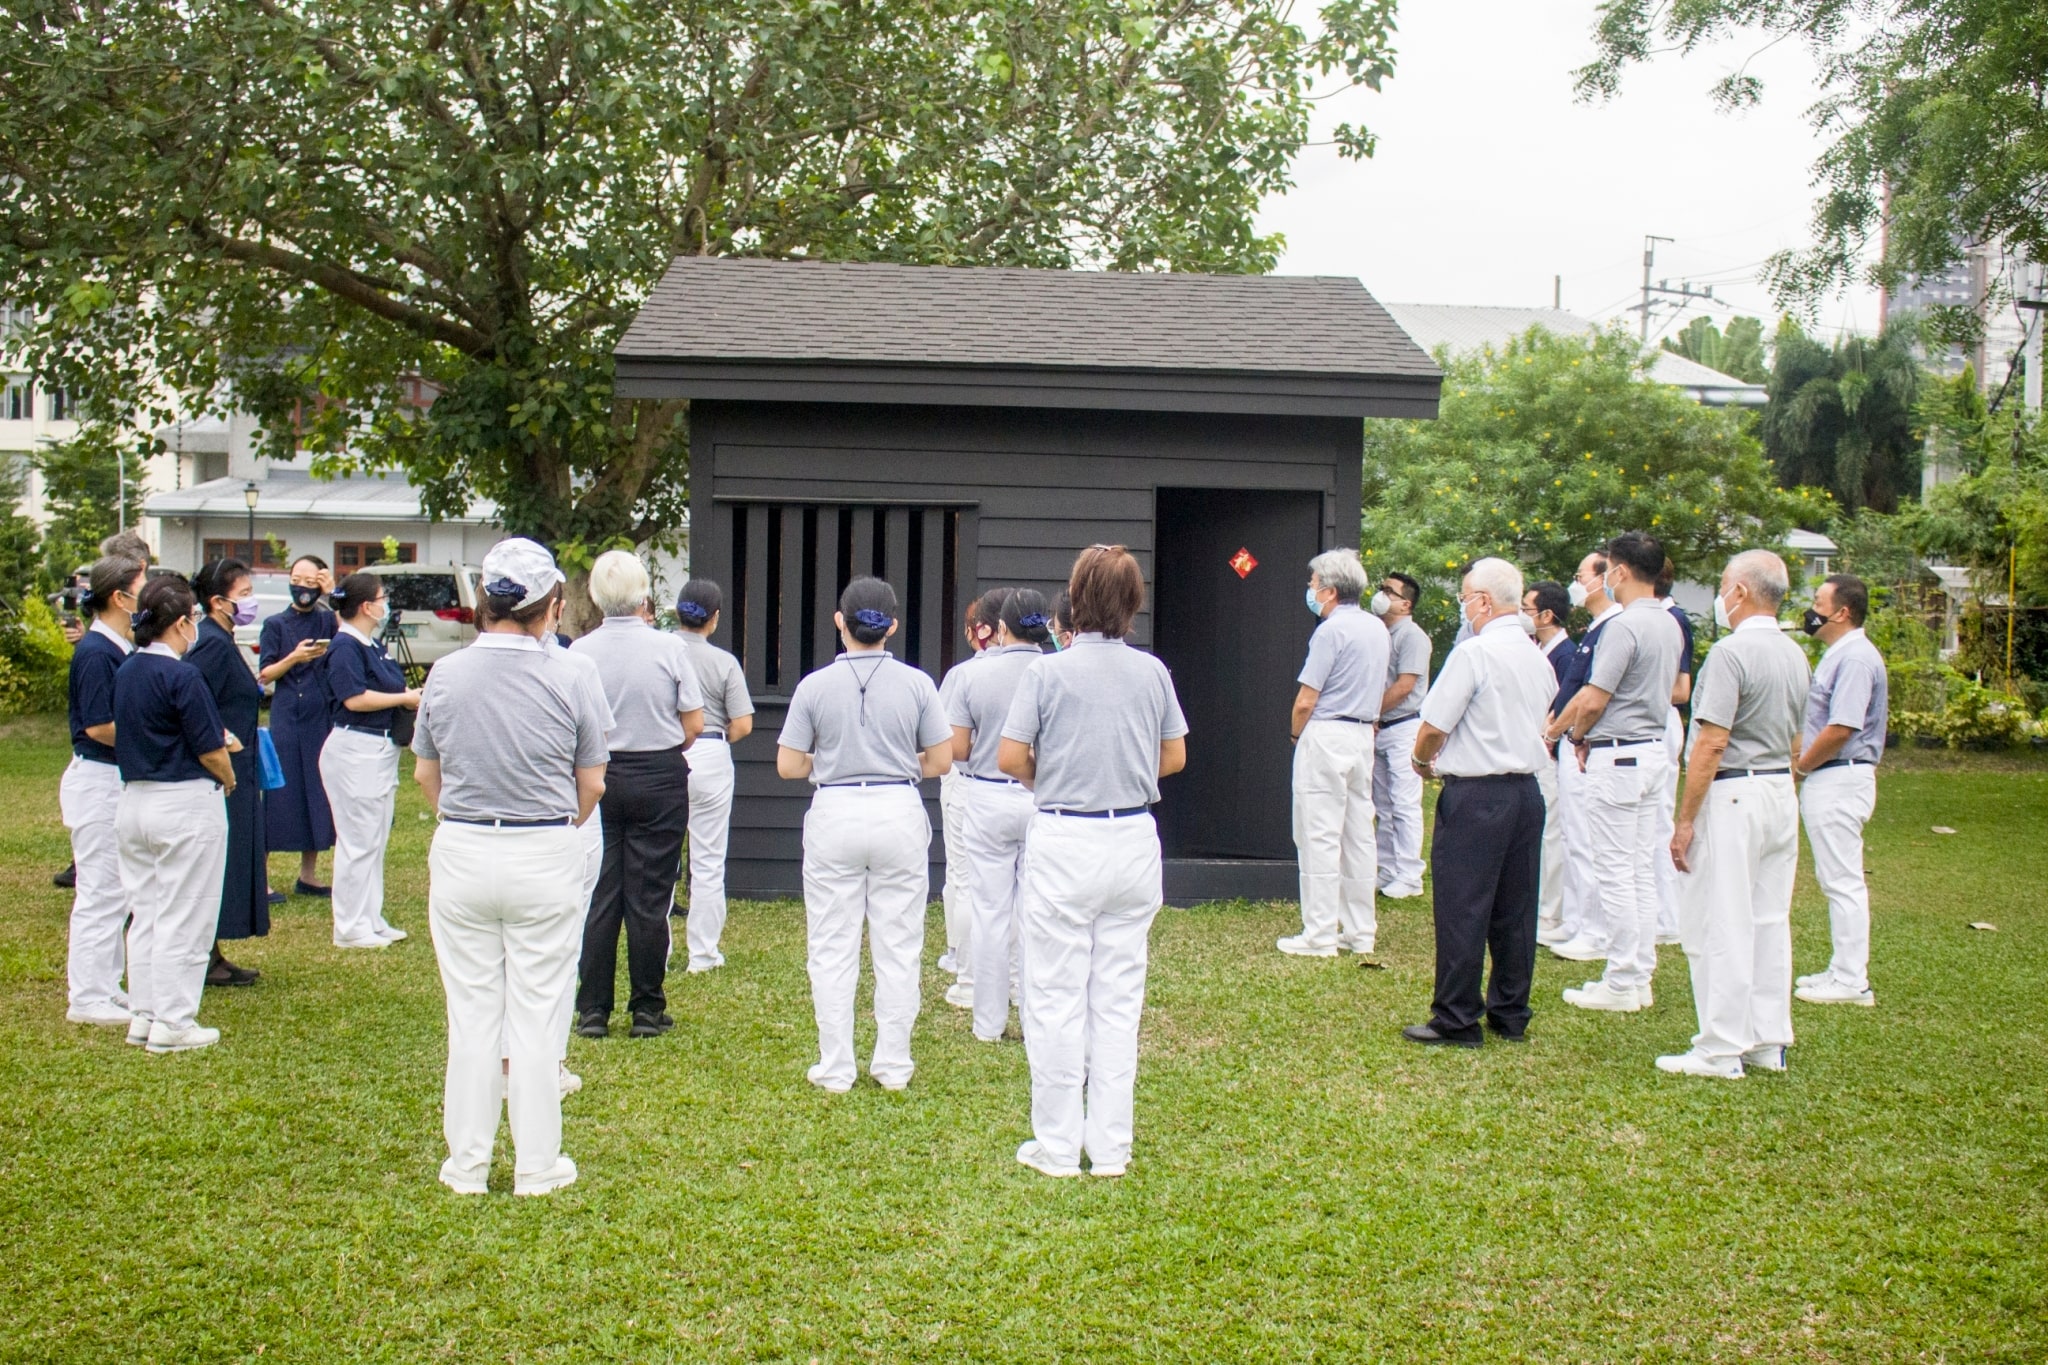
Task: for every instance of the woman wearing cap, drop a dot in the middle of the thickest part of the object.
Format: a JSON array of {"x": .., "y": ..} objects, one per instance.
[
  {"x": 228, "y": 595},
  {"x": 90, "y": 794},
  {"x": 172, "y": 825},
  {"x": 511, "y": 752},
  {"x": 1092, "y": 730},
  {"x": 957, "y": 895},
  {"x": 359, "y": 761},
  {"x": 289, "y": 650},
  {"x": 864, "y": 729},
  {"x": 728, "y": 719},
  {"x": 998, "y": 808}
]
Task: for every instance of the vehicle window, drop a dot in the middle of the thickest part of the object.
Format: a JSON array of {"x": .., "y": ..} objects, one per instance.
[{"x": 420, "y": 591}]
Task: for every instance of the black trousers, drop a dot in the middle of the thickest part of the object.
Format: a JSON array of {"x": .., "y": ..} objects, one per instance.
[
  {"x": 1484, "y": 864},
  {"x": 646, "y": 813}
]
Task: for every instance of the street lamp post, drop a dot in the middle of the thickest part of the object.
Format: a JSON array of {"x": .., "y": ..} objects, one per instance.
[{"x": 249, "y": 495}]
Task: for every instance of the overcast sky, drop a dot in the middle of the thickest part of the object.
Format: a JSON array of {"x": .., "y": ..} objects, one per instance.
[{"x": 1489, "y": 179}]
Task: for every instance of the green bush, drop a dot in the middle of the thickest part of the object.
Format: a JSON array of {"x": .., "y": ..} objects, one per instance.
[
  {"x": 1971, "y": 716},
  {"x": 35, "y": 661}
]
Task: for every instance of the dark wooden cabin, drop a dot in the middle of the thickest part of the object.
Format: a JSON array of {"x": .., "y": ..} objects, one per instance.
[{"x": 954, "y": 429}]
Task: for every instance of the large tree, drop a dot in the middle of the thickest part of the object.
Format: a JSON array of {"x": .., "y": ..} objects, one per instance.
[
  {"x": 1934, "y": 108},
  {"x": 1739, "y": 351},
  {"x": 333, "y": 211},
  {"x": 1841, "y": 417}
]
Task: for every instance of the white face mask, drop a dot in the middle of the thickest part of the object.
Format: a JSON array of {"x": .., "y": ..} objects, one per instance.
[
  {"x": 1576, "y": 591},
  {"x": 1721, "y": 613},
  {"x": 1381, "y": 604},
  {"x": 1526, "y": 621}
]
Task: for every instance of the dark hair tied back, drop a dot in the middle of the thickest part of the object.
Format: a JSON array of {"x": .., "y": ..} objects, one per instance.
[
  {"x": 355, "y": 592},
  {"x": 869, "y": 607},
  {"x": 1027, "y": 617},
  {"x": 698, "y": 602},
  {"x": 163, "y": 602}
]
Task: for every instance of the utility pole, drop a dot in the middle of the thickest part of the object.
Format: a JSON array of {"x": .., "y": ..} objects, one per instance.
[{"x": 1683, "y": 294}]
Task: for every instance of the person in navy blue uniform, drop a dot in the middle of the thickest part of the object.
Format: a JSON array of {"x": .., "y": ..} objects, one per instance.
[
  {"x": 290, "y": 650},
  {"x": 172, "y": 823},
  {"x": 1674, "y": 748},
  {"x": 1547, "y": 605},
  {"x": 91, "y": 792},
  {"x": 359, "y": 762},
  {"x": 227, "y": 593}
]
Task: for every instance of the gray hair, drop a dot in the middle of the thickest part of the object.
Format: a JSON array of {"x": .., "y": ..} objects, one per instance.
[
  {"x": 1499, "y": 580},
  {"x": 1340, "y": 570},
  {"x": 619, "y": 583},
  {"x": 1763, "y": 573}
]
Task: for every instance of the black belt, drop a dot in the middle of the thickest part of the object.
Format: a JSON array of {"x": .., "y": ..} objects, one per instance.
[
  {"x": 1488, "y": 777},
  {"x": 1348, "y": 720},
  {"x": 1831, "y": 763},
  {"x": 385, "y": 735},
  {"x": 1416, "y": 715},
  {"x": 1123, "y": 814},
  {"x": 556, "y": 823},
  {"x": 1752, "y": 772},
  {"x": 711, "y": 734},
  {"x": 892, "y": 782},
  {"x": 1619, "y": 743},
  {"x": 998, "y": 781}
]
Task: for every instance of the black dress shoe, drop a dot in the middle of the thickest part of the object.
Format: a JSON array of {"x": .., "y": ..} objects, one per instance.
[
  {"x": 306, "y": 888},
  {"x": 1429, "y": 1037},
  {"x": 1497, "y": 1031},
  {"x": 67, "y": 879},
  {"x": 221, "y": 972},
  {"x": 647, "y": 1025},
  {"x": 277, "y": 898},
  {"x": 593, "y": 1026}
]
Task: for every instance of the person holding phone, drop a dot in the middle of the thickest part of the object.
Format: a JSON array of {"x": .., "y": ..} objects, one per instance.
[
  {"x": 290, "y": 651},
  {"x": 359, "y": 761}
]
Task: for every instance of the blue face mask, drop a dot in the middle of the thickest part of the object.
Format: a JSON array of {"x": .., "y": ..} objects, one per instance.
[{"x": 1315, "y": 608}]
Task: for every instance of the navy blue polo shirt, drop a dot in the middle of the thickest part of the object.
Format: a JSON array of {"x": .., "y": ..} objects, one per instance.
[
  {"x": 1574, "y": 674},
  {"x": 354, "y": 668},
  {"x": 93, "y": 662},
  {"x": 1678, "y": 614},
  {"x": 164, "y": 718}
]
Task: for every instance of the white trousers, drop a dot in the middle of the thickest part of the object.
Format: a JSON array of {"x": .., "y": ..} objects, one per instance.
[
  {"x": 957, "y": 893},
  {"x": 503, "y": 905},
  {"x": 1397, "y": 802},
  {"x": 1667, "y": 814},
  {"x": 1551, "y": 870},
  {"x": 1333, "y": 834},
  {"x": 711, "y": 786},
  {"x": 1091, "y": 889},
  {"x": 1836, "y": 803},
  {"x": 173, "y": 838},
  {"x": 1583, "y": 916},
  {"x": 90, "y": 797},
  {"x": 360, "y": 774},
  {"x": 866, "y": 862},
  {"x": 995, "y": 820},
  {"x": 1622, "y": 798},
  {"x": 1737, "y": 925}
]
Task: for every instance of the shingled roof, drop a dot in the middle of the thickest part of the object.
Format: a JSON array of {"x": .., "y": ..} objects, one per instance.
[{"x": 1063, "y": 338}]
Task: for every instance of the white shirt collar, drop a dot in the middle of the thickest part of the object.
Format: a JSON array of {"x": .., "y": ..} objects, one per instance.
[
  {"x": 1855, "y": 633},
  {"x": 1096, "y": 637},
  {"x": 99, "y": 627},
  {"x": 624, "y": 622},
  {"x": 159, "y": 647},
  {"x": 1613, "y": 607},
  {"x": 350, "y": 628},
  {"x": 1757, "y": 623},
  {"x": 500, "y": 639},
  {"x": 1499, "y": 622},
  {"x": 1554, "y": 643}
]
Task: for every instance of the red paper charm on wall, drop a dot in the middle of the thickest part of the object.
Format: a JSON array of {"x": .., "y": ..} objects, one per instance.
[{"x": 1243, "y": 562}]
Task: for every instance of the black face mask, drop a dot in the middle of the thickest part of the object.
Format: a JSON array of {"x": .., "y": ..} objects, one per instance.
[
  {"x": 304, "y": 596},
  {"x": 1812, "y": 622}
]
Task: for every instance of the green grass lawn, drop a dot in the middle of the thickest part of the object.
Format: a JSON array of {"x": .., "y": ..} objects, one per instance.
[{"x": 1305, "y": 1186}]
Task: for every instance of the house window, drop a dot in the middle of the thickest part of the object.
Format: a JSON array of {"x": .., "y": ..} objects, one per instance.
[
  {"x": 21, "y": 400},
  {"x": 60, "y": 405},
  {"x": 350, "y": 555},
  {"x": 260, "y": 554}
]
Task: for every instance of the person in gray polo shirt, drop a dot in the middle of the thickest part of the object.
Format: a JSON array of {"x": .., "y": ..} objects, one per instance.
[
  {"x": 1396, "y": 786},
  {"x": 1735, "y": 842},
  {"x": 1846, "y": 716},
  {"x": 1616, "y": 725}
]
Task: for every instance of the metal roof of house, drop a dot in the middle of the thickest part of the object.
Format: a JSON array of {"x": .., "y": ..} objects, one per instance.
[
  {"x": 870, "y": 332},
  {"x": 1460, "y": 327},
  {"x": 294, "y": 493}
]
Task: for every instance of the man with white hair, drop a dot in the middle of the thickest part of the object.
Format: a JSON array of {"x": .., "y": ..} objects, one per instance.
[
  {"x": 1736, "y": 840},
  {"x": 1334, "y": 717},
  {"x": 1482, "y": 733}
]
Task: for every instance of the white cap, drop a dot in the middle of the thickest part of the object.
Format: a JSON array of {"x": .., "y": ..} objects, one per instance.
[{"x": 522, "y": 565}]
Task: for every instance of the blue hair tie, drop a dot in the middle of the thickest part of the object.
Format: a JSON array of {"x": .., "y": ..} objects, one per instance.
[
  {"x": 872, "y": 619},
  {"x": 694, "y": 612},
  {"x": 137, "y": 620},
  {"x": 504, "y": 587},
  {"x": 1033, "y": 620}
]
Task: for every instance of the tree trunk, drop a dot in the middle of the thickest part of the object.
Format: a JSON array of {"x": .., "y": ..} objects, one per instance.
[{"x": 580, "y": 615}]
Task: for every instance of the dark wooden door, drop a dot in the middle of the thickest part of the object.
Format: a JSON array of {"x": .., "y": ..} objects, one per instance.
[{"x": 1235, "y": 643}]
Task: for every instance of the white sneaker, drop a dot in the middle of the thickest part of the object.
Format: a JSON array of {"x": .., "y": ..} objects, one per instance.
[
  {"x": 371, "y": 942},
  {"x": 961, "y": 995},
  {"x": 106, "y": 1012},
  {"x": 138, "y": 1030},
  {"x": 1551, "y": 939},
  {"x": 1668, "y": 940},
  {"x": 466, "y": 1180},
  {"x": 894, "y": 1084},
  {"x": 816, "y": 1076},
  {"x": 949, "y": 963},
  {"x": 1813, "y": 979},
  {"x": 1598, "y": 995},
  {"x": 1693, "y": 1064},
  {"x": 1038, "y": 1159},
  {"x": 567, "y": 1080},
  {"x": 1299, "y": 946},
  {"x": 1107, "y": 1170},
  {"x": 1770, "y": 1058},
  {"x": 1402, "y": 893},
  {"x": 391, "y": 933},
  {"x": 1833, "y": 992},
  {"x": 164, "y": 1038},
  {"x": 1644, "y": 997},
  {"x": 1361, "y": 946},
  {"x": 563, "y": 1172},
  {"x": 1581, "y": 949},
  {"x": 700, "y": 965}
]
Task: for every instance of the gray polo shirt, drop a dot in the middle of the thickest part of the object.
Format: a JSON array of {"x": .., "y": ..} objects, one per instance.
[
  {"x": 1347, "y": 664},
  {"x": 865, "y": 718},
  {"x": 721, "y": 679},
  {"x": 1753, "y": 684},
  {"x": 648, "y": 679},
  {"x": 1097, "y": 712},
  {"x": 510, "y": 721},
  {"x": 1850, "y": 688},
  {"x": 981, "y": 697},
  {"x": 1637, "y": 665},
  {"x": 1408, "y": 652}
]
